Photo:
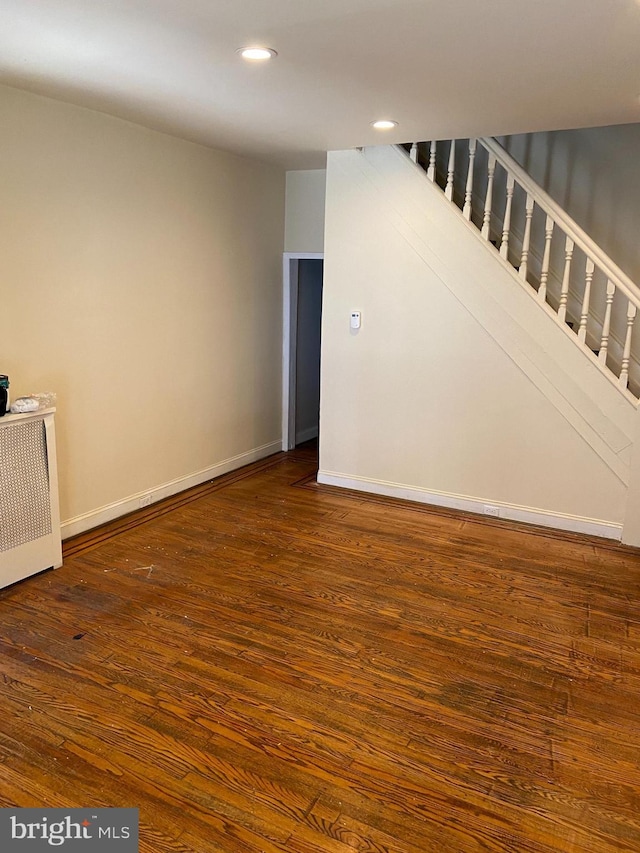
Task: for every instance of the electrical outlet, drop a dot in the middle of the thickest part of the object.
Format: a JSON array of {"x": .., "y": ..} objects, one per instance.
[
  {"x": 146, "y": 500},
  {"x": 492, "y": 510}
]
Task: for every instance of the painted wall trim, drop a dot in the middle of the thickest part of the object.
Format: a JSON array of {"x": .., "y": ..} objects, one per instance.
[
  {"x": 511, "y": 512},
  {"x": 89, "y": 520}
]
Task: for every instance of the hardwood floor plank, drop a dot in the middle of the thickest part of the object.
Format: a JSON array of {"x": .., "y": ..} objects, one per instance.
[{"x": 265, "y": 664}]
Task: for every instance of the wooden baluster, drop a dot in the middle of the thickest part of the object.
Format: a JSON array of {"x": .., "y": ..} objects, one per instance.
[
  {"x": 486, "y": 218},
  {"x": 606, "y": 326},
  {"x": 623, "y": 381},
  {"x": 431, "y": 170},
  {"x": 564, "y": 293},
  {"x": 526, "y": 241},
  {"x": 506, "y": 227},
  {"x": 544, "y": 273},
  {"x": 584, "y": 314},
  {"x": 414, "y": 152},
  {"x": 448, "y": 190},
  {"x": 468, "y": 192}
]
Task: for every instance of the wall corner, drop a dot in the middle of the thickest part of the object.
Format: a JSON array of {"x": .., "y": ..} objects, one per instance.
[{"x": 631, "y": 526}]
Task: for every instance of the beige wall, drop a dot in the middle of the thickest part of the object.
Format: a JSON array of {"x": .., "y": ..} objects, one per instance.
[
  {"x": 423, "y": 396},
  {"x": 304, "y": 223},
  {"x": 141, "y": 281}
]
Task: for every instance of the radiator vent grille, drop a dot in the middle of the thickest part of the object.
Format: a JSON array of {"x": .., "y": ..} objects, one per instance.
[{"x": 25, "y": 508}]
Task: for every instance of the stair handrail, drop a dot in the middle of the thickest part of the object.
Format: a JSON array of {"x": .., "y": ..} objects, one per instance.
[{"x": 563, "y": 220}]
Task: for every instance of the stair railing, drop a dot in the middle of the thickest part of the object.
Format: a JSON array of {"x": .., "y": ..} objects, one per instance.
[{"x": 606, "y": 331}]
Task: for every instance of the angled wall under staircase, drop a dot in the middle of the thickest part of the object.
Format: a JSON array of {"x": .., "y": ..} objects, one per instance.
[{"x": 459, "y": 388}]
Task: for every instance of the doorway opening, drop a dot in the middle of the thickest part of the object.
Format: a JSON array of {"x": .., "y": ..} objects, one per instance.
[{"x": 303, "y": 275}]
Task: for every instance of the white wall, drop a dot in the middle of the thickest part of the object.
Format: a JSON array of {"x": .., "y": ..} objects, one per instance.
[
  {"x": 422, "y": 401},
  {"x": 141, "y": 281},
  {"x": 304, "y": 217},
  {"x": 594, "y": 174}
]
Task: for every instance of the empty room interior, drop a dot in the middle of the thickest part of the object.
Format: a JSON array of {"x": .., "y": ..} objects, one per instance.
[{"x": 319, "y": 428}]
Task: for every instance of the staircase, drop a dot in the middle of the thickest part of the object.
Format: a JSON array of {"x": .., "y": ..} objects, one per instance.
[
  {"x": 574, "y": 280},
  {"x": 494, "y": 370}
]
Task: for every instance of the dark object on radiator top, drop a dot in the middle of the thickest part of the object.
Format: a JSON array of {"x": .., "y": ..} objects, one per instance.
[{"x": 4, "y": 394}]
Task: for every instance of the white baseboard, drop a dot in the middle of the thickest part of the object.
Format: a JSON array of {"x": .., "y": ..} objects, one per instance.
[
  {"x": 306, "y": 434},
  {"x": 88, "y": 520},
  {"x": 511, "y": 512}
]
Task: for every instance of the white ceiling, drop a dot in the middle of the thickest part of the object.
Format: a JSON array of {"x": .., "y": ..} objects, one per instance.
[{"x": 441, "y": 68}]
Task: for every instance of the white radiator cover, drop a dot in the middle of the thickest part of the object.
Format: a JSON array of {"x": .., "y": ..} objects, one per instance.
[{"x": 29, "y": 511}]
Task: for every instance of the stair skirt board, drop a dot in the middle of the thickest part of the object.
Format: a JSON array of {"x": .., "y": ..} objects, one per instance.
[
  {"x": 104, "y": 514},
  {"x": 534, "y": 250},
  {"x": 555, "y": 282},
  {"x": 509, "y": 512}
]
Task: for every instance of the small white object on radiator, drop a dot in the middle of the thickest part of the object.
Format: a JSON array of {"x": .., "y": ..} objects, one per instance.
[{"x": 24, "y": 404}]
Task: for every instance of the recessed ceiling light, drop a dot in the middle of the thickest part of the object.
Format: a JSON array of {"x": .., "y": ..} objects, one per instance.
[
  {"x": 256, "y": 54},
  {"x": 384, "y": 124}
]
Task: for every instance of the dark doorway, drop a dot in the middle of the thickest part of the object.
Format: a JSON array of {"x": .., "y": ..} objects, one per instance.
[{"x": 308, "y": 334}]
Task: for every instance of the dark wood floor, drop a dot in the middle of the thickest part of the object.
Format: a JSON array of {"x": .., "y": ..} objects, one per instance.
[{"x": 277, "y": 666}]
